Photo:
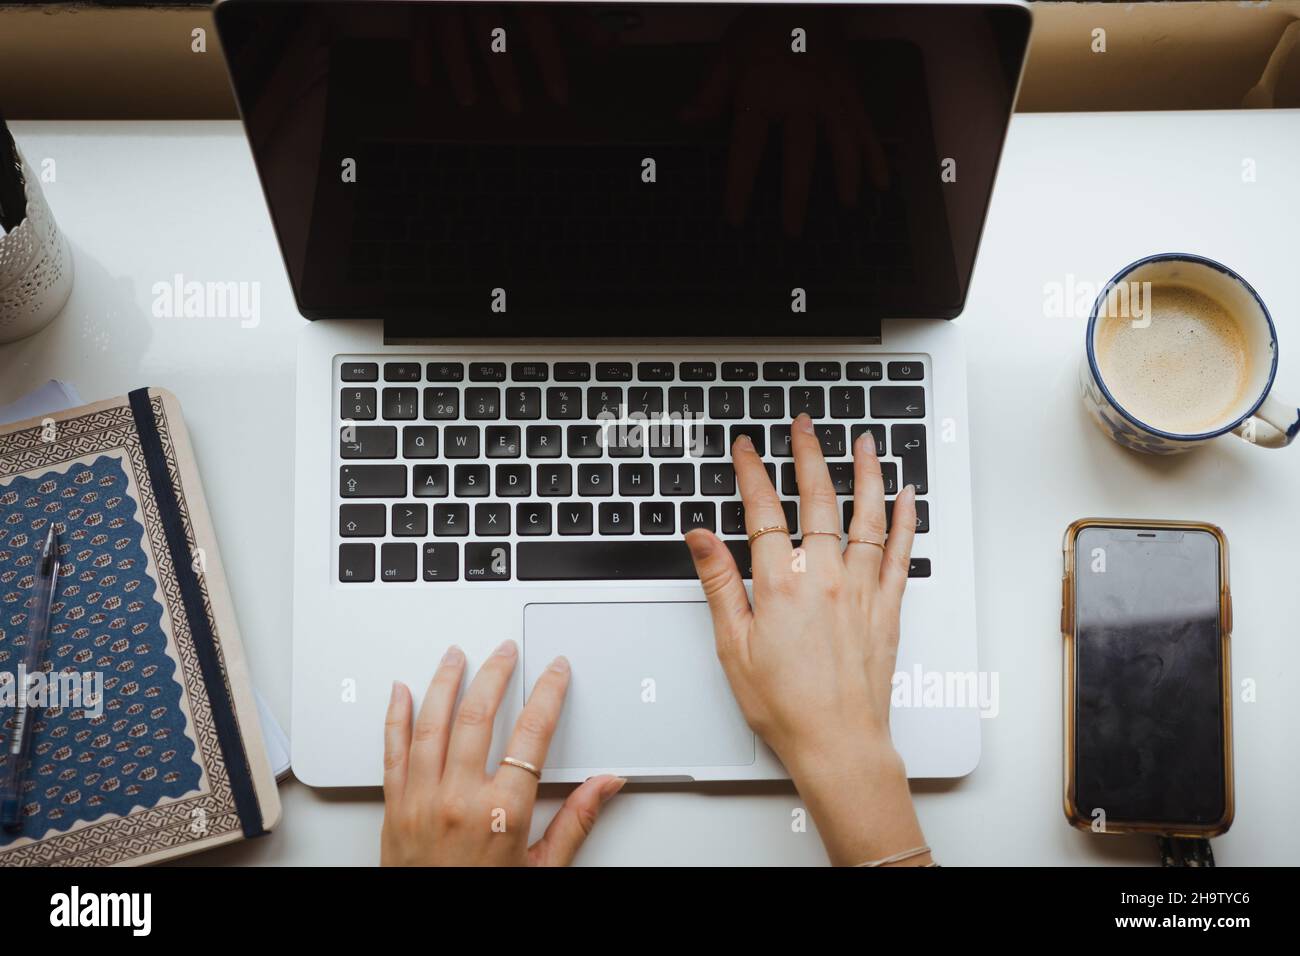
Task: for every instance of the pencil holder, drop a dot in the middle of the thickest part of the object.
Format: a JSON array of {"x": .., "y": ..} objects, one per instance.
[{"x": 35, "y": 267}]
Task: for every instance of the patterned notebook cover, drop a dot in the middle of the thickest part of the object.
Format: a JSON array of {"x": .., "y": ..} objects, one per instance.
[{"x": 148, "y": 746}]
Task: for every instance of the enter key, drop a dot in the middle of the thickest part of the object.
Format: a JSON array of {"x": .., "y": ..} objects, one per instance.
[{"x": 908, "y": 443}]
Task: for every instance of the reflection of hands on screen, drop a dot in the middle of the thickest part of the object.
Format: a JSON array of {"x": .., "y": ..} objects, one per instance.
[
  {"x": 460, "y": 41},
  {"x": 764, "y": 84}
]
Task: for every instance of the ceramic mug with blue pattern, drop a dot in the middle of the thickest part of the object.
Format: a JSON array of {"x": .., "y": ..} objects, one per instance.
[{"x": 1184, "y": 288}]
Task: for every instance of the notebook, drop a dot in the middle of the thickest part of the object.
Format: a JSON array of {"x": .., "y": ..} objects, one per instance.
[
  {"x": 162, "y": 754},
  {"x": 55, "y": 396}
]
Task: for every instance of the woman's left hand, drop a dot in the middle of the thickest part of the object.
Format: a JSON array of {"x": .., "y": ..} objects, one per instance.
[{"x": 442, "y": 808}]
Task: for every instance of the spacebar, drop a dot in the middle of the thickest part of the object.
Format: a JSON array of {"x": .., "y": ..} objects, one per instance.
[{"x": 613, "y": 560}]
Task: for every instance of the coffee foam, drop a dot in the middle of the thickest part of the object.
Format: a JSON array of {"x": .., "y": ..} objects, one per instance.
[{"x": 1187, "y": 372}]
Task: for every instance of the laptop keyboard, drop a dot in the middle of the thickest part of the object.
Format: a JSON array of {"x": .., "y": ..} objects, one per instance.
[{"x": 457, "y": 470}]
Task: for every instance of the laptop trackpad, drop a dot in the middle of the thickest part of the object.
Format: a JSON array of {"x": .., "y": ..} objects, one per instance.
[{"x": 647, "y": 689}]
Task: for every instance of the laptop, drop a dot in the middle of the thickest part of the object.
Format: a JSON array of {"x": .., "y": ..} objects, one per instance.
[{"x": 557, "y": 256}]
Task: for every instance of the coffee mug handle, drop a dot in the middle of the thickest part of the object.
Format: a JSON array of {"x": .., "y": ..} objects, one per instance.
[{"x": 1281, "y": 422}]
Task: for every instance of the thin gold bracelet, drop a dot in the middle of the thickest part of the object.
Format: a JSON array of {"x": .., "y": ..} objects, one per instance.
[{"x": 900, "y": 857}]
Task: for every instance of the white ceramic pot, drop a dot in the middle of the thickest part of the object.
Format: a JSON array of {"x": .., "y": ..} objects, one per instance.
[{"x": 35, "y": 268}]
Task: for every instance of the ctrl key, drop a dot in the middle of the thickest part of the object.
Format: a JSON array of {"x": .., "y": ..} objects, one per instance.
[
  {"x": 487, "y": 561},
  {"x": 442, "y": 561},
  {"x": 397, "y": 562},
  {"x": 356, "y": 563}
]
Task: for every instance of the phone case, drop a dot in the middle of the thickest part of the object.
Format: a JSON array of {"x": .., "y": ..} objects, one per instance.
[{"x": 1072, "y": 812}]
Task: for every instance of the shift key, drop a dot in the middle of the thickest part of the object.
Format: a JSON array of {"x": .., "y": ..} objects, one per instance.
[
  {"x": 372, "y": 481},
  {"x": 897, "y": 401}
]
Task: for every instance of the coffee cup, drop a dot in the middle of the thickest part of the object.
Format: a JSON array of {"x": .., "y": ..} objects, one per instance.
[{"x": 1180, "y": 350}]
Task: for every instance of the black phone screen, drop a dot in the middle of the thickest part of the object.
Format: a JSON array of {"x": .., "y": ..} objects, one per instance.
[{"x": 1149, "y": 710}]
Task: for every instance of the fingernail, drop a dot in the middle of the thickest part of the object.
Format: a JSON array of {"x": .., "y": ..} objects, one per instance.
[
  {"x": 908, "y": 491},
  {"x": 454, "y": 655},
  {"x": 611, "y": 787},
  {"x": 743, "y": 442},
  {"x": 804, "y": 423},
  {"x": 700, "y": 545},
  {"x": 560, "y": 665},
  {"x": 392, "y": 695},
  {"x": 507, "y": 649},
  {"x": 865, "y": 442}
]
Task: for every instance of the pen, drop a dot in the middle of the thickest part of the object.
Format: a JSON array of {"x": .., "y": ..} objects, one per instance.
[{"x": 19, "y": 742}]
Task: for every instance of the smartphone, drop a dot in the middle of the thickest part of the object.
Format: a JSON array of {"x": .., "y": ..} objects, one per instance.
[{"x": 1146, "y": 616}]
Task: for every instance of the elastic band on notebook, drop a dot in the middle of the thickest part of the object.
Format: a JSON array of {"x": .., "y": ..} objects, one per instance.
[{"x": 205, "y": 646}]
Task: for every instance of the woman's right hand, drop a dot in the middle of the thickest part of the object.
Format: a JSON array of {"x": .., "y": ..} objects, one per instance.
[{"x": 811, "y": 661}]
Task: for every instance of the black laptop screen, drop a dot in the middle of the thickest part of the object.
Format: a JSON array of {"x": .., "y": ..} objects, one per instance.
[{"x": 572, "y": 169}]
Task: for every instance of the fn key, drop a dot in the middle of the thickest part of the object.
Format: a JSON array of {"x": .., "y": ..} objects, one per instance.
[{"x": 356, "y": 562}]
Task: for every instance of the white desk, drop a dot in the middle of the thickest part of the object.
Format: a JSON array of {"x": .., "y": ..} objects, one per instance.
[{"x": 1081, "y": 194}]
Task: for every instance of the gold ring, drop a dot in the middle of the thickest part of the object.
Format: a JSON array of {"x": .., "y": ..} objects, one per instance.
[
  {"x": 833, "y": 534},
  {"x": 762, "y": 531},
  {"x": 522, "y": 765},
  {"x": 878, "y": 544}
]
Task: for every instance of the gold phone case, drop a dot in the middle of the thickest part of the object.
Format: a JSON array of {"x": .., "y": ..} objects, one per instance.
[{"x": 1072, "y": 812}]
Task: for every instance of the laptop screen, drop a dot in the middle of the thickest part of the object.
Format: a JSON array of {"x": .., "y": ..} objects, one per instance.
[{"x": 574, "y": 169}]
